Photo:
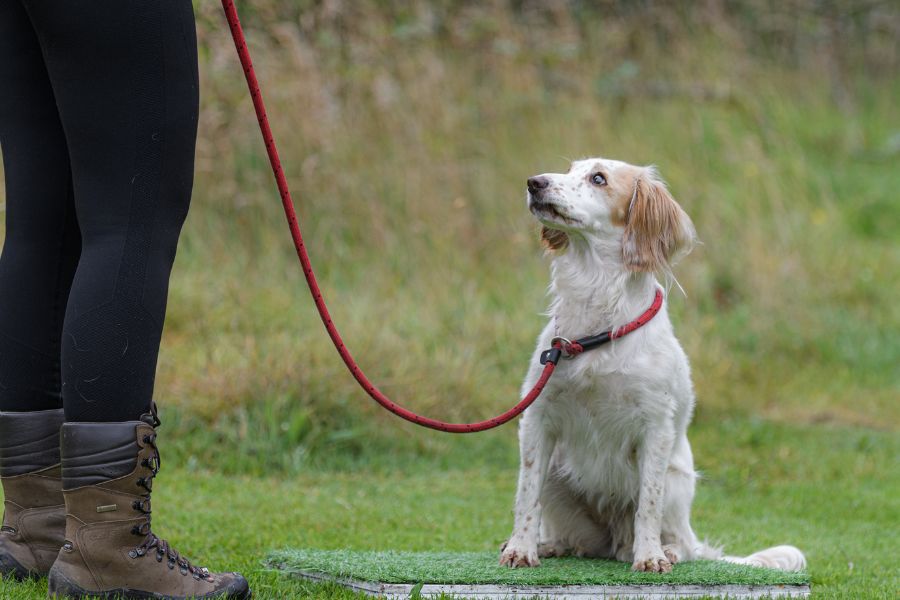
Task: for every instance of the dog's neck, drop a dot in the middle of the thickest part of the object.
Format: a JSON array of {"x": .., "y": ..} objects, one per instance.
[{"x": 593, "y": 291}]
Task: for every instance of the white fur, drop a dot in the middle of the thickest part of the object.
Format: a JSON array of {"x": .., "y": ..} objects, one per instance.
[{"x": 606, "y": 467}]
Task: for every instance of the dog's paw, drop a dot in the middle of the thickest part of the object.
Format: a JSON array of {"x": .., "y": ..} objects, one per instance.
[
  {"x": 551, "y": 549},
  {"x": 652, "y": 564},
  {"x": 514, "y": 554},
  {"x": 671, "y": 553}
]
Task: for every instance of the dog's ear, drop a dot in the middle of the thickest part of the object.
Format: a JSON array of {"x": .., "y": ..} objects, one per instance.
[
  {"x": 554, "y": 239},
  {"x": 657, "y": 231}
]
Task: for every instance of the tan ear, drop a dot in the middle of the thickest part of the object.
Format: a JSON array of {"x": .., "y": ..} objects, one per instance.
[
  {"x": 554, "y": 239},
  {"x": 657, "y": 230}
]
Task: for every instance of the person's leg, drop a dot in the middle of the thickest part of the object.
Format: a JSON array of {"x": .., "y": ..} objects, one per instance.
[
  {"x": 42, "y": 245},
  {"x": 125, "y": 77},
  {"x": 40, "y": 251}
]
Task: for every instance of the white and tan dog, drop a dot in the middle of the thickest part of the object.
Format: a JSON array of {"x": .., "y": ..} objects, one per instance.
[{"x": 606, "y": 467}]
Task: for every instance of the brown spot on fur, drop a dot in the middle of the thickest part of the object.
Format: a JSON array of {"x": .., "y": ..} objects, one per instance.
[
  {"x": 621, "y": 185},
  {"x": 554, "y": 239}
]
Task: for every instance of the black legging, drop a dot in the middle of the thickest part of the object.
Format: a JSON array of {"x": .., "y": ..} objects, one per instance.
[{"x": 98, "y": 120}]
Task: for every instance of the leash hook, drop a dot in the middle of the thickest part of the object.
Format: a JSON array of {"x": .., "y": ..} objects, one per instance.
[{"x": 563, "y": 344}]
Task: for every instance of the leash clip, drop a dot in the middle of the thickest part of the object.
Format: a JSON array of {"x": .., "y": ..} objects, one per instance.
[
  {"x": 557, "y": 351},
  {"x": 563, "y": 344}
]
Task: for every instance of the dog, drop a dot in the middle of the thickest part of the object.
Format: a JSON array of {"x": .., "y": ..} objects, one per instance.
[{"x": 606, "y": 468}]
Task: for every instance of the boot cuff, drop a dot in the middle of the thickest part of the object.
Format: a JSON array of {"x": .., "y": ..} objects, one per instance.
[
  {"x": 29, "y": 441},
  {"x": 94, "y": 453}
]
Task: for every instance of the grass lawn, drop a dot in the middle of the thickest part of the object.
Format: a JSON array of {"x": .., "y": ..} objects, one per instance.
[{"x": 831, "y": 491}]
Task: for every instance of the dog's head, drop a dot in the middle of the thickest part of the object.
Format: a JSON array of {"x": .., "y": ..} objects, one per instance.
[{"x": 601, "y": 199}]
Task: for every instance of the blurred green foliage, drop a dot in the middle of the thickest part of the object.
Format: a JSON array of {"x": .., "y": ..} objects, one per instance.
[{"x": 407, "y": 130}]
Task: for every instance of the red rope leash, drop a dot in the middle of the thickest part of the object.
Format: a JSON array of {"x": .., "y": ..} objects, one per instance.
[
  {"x": 562, "y": 348},
  {"x": 641, "y": 320},
  {"x": 241, "y": 45}
]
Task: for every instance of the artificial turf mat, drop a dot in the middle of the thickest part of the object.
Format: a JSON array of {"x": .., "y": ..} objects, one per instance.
[{"x": 482, "y": 568}]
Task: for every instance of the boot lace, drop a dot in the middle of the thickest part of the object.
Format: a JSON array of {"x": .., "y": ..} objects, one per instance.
[{"x": 163, "y": 550}]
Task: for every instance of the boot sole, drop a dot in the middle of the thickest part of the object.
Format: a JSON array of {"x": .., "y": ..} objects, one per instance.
[
  {"x": 61, "y": 587},
  {"x": 10, "y": 568}
]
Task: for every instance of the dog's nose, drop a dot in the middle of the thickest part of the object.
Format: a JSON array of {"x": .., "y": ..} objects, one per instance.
[{"x": 536, "y": 184}]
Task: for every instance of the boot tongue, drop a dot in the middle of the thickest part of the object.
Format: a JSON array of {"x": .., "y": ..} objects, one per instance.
[{"x": 151, "y": 418}]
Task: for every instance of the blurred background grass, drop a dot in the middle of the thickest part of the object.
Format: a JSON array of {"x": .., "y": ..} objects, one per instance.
[{"x": 407, "y": 130}]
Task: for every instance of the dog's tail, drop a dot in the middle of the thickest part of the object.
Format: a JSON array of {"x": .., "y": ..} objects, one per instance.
[{"x": 786, "y": 558}]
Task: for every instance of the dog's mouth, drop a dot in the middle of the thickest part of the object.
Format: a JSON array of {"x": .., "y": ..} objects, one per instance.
[{"x": 549, "y": 211}]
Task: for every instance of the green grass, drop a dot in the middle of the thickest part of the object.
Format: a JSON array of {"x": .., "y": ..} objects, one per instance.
[
  {"x": 407, "y": 131},
  {"x": 482, "y": 567},
  {"x": 832, "y": 491}
]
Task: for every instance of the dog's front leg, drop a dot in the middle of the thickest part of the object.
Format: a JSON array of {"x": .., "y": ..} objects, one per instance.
[
  {"x": 535, "y": 448},
  {"x": 653, "y": 456}
]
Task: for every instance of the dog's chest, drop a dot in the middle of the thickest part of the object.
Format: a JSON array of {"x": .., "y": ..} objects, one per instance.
[
  {"x": 603, "y": 412},
  {"x": 598, "y": 429}
]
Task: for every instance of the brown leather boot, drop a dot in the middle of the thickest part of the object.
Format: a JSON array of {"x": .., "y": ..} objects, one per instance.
[
  {"x": 34, "y": 515},
  {"x": 109, "y": 550}
]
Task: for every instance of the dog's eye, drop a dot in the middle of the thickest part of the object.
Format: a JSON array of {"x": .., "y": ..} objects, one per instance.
[{"x": 598, "y": 179}]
